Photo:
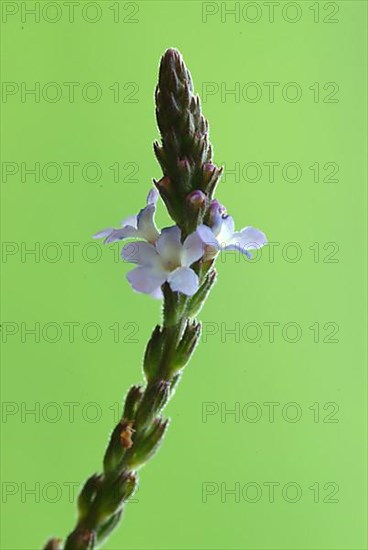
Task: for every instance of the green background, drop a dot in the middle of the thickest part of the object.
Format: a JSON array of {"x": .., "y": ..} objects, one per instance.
[{"x": 324, "y": 367}]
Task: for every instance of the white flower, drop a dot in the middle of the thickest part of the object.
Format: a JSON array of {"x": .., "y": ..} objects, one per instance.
[
  {"x": 141, "y": 226},
  {"x": 168, "y": 261},
  {"x": 222, "y": 235},
  {"x": 163, "y": 258}
]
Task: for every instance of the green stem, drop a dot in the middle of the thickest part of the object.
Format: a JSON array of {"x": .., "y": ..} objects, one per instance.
[{"x": 103, "y": 497}]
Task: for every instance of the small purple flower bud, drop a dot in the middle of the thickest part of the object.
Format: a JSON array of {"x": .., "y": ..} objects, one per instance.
[
  {"x": 208, "y": 171},
  {"x": 196, "y": 199},
  {"x": 209, "y": 167},
  {"x": 217, "y": 207}
]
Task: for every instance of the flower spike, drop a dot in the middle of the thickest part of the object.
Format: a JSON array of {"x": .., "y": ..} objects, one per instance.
[{"x": 175, "y": 264}]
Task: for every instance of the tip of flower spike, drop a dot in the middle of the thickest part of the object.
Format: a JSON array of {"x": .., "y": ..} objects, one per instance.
[
  {"x": 185, "y": 149},
  {"x": 170, "y": 61},
  {"x": 173, "y": 70},
  {"x": 172, "y": 54}
]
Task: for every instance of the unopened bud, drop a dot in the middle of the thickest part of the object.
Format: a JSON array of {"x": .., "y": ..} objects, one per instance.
[
  {"x": 87, "y": 495},
  {"x": 196, "y": 199},
  {"x": 153, "y": 353},
  {"x": 132, "y": 401},
  {"x": 210, "y": 178},
  {"x": 80, "y": 539},
  {"x": 149, "y": 443},
  {"x": 106, "y": 528},
  {"x": 117, "y": 492},
  {"x": 53, "y": 544},
  {"x": 208, "y": 170},
  {"x": 187, "y": 344},
  {"x": 155, "y": 398},
  {"x": 129, "y": 482}
]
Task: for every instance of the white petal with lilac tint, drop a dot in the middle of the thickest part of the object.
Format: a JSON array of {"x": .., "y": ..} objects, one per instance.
[
  {"x": 252, "y": 237},
  {"x": 141, "y": 253},
  {"x": 152, "y": 196},
  {"x": 169, "y": 245},
  {"x": 103, "y": 233},
  {"x": 183, "y": 280},
  {"x": 146, "y": 224},
  {"x": 207, "y": 235},
  {"x": 237, "y": 246},
  {"x": 127, "y": 232},
  {"x": 130, "y": 220},
  {"x": 222, "y": 235},
  {"x": 157, "y": 294},
  {"x": 211, "y": 244},
  {"x": 247, "y": 239},
  {"x": 217, "y": 223},
  {"x": 216, "y": 214},
  {"x": 192, "y": 249},
  {"x": 226, "y": 231},
  {"x": 168, "y": 261},
  {"x": 146, "y": 279},
  {"x": 140, "y": 226}
]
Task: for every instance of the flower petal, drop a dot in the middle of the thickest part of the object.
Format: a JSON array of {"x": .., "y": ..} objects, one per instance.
[
  {"x": 240, "y": 248},
  {"x": 130, "y": 220},
  {"x": 212, "y": 246},
  {"x": 103, "y": 233},
  {"x": 217, "y": 211},
  {"x": 119, "y": 234},
  {"x": 192, "y": 249},
  {"x": 207, "y": 236},
  {"x": 141, "y": 253},
  {"x": 157, "y": 294},
  {"x": 183, "y": 280},
  {"x": 226, "y": 231},
  {"x": 247, "y": 239},
  {"x": 169, "y": 245},
  {"x": 152, "y": 196},
  {"x": 250, "y": 237},
  {"x": 146, "y": 225},
  {"x": 146, "y": 279}
]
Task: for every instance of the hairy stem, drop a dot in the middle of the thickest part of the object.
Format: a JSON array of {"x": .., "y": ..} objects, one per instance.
[{"x": 137, "y": 436}]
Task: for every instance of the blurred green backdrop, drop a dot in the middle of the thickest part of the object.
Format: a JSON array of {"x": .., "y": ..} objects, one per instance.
[{"x": 283, "y": 342}]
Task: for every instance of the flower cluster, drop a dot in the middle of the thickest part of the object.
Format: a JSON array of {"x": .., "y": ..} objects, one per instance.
[{"x": 162, "y": 257}]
